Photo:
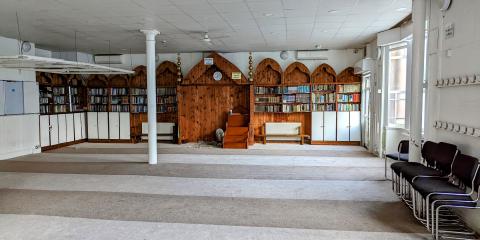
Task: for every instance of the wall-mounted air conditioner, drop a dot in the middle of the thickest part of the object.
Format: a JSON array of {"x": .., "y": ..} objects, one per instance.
[
  {"x": 312, "y": 55},
  {"x": 364, "y": 66},
  {"x": 109, "y": 59}
]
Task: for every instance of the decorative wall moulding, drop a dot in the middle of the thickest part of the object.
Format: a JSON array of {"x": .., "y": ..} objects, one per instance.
[
  {"x": 458, "y": 81},
  {"x": 457, "y": 128}
]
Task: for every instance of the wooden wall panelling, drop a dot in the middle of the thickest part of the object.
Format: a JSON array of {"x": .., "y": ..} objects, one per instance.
[
  {"x": 268, "y": 72},
  {"x": 348, "y": 76},
  {"x": 303, "y": 117},
  {"x": 324, "y": 74},
  {"x": 137, "y": 80},
  {"x": 296, "y": 74}
]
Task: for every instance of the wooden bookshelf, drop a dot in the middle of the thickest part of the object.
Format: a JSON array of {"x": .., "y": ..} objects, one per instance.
[
  {"x": 268, "y": 87},
  {"x": 119, "y": 94},
  {"x": 45, "y": 90},
  {"x": 60, "y": 96},
  {"x": 324, "y": 89},
  {"x": 98, "y": 94},
  {"x": 78, "y": 93},
  {"x": 296, "y": 89}
]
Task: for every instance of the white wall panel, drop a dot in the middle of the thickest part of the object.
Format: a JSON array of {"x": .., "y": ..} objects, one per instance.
[
  {"x": 343, "y": 130},
  {"x": 92, "y": 125},
  {"x": 70, "y": 127},
  {"x": 77, "y": 126},
  {"x": 114, "y": 125},
  {"x": 317, "y": 126},
  {"x": 124, "y": 125},
  {"x": 2, "y": 97},
  {"x": 103, "y": 125},
  {"x": 330, "y": 126},
  {"x": 31, "y": 98},
  {"x": 62, "y": 128},
  {"x": 84, "y": 125},
  {"x": 355, "y": 132},
  {"x": 53, "y": 129},
  {"x": 44, "y": 130}
]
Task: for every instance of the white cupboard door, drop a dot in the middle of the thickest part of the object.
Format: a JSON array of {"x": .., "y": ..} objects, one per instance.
[
  {"x": 330, "y": 126},
  {"x": 343, "y": 126},
  {"x": 114, "y": 125},
  {"x": 92, "y": 123},
  {"x": 355, "y": 129},
  {"x": 317, "y": 126},
  {"x": 124, "y": 125},
  {"x": 53, "y": 129},
  {"x": 78, "y": 126},
  {"x": 44, "y": 130},
  {"x": 70, "y": 127},
  {"x": 83, "y": 125},
  {"x": 103, "y": 125},
  {"x": 62, "y": 128}
]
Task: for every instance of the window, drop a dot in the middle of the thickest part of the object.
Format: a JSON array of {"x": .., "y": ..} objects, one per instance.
[{"x": 397, "y": 85}]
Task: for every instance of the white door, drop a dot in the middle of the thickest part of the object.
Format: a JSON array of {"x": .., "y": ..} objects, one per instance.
[
  {"x": 92, "y": 123},
  {"x": 62, "y": 128},
  {"x": 317, "y": 126},
  {"x": 343, "y": 126},
  {"x": 31, "y": 98},
  {"x": 330, "y": 126},
  {"x": 70, "y": 127},
  {"x": 53, "y": 129},
  {"x": 78, "y": 126},
  {"x": 124, "y": 125},
  {"x": 83, "y": 125},
  {"x": 114, "y": 125},
  {"x": 355, "y": 129},
  {"x": 103, "y": 125},
  {"x": 44, "y": 130}
]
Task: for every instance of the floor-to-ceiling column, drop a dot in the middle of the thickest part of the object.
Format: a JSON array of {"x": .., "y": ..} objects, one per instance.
[
  {"x": 151, "y": 96},
  {"x": 418, "y": 60}
]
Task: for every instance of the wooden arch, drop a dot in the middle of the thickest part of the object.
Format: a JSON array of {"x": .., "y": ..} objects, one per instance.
[
  {"x": 166, "y": 74},
  {"x": 76, "y": 80},
  {"x": 295, "y": 74},
  {"x": 139, "y": 78},
  {"x": 324, "y": 74},
  {"x": 44, "y": 78},
  {"x": 268, "y": 72},
  {"x": 97, "y": 81},
  {"x": 119, "y": 81},
  {"x": 348, "y": 76},
  {"x": 202, "y": 74}
]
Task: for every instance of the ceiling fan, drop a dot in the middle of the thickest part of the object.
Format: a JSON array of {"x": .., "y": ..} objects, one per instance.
[{"x": 206, "y": 37}]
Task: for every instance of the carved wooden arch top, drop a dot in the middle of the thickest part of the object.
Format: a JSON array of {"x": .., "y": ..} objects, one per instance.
[
  {"x": 139, "y": 78},
  {"x": 296, "y": 73},
  {"x": 118, "y": 81},
  {"x": 59, "y": 80},
  {"x": 348, "y": 76},
  {"x": 324, "y": 74},
  {"x": 268, "y": 72},
  {"x": 44, "y": 78},
  {"x": 166, "y": 74},
  {"x": 97, "y": 81},
  {"x": 76, "y": 80},
  {"x": 202, "y": 74}
]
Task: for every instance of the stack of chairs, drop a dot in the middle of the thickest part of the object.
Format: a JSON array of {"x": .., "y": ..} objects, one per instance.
[{"x": 443, "y": 181}]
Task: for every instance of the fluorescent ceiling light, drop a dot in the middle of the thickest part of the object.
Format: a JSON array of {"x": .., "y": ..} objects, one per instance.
[
  {"x": 402, "y": 9},
  {"x": 268, "y": 14},
  {"x": 332, "y": 11},
  {"x": 54, "y": 65}
]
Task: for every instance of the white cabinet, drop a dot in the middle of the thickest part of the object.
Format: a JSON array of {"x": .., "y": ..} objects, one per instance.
[
  {"x": 348, "y": 126},
  {"x": 70, "y": 127},
  {"x": 44, "y": 130},
  {"x": 330, "y": 126},
  {"x": 355, "y": 129},
  {"x": 62, "y": 129},
  {"x": 317, "y": 126},
  {"x": 114, "y": 125},
  {"x": 125, "y": 126},
  {"x": 103, "y": 125},
  {"x": 83, "y": 125},
  {"x": 92, "y": 125},
  {"x": 77, "y": 122},
  {"x": 53, "y": 129}
]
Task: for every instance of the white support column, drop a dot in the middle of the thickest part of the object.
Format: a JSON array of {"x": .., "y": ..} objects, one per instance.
[
  {"x": 418, "y": 16},
  {"x": 151, "y": 95}
]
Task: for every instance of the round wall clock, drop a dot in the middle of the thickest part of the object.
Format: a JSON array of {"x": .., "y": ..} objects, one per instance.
[{"x": 217, "y": 76}]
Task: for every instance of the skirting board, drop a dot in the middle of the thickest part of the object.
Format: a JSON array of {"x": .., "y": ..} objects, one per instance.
[
  {"x": 353, "y": 143},
  {"x": 62, "y": 145}
]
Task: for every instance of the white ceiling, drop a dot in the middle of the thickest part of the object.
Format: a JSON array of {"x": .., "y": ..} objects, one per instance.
[{"x": 234, "y": 25}]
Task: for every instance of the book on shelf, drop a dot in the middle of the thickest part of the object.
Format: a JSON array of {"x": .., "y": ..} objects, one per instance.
[
  {"x": 77, "y": 108},
  {"x": 268, "y": 90},
  {"x": 138, "y": 99},
  {"x": 323, "y": 88},
  {"x": 58, "y": 90},
  {"x": 167, "y": 99},
  {"x": 347, "y": 107},
  {"x": 323, "y": 97},
  {"x": 97, "y": 108},
  {"x": 119, "y": 91},
  {"x": 296, "y": 89},
  {"x": 120, "y": 108},
  {"x": 323, "y": 107},
  {"x": 98, "y": 100},
  {"x": 59, "y": 100},
  {"x": 268, "y": 108},
  {"x": 97, "y": 91},
  {"x": 287, "y": 108},
  {"x": 119, "y": 100},
  {"x": 44, "y": 109},
  {"x": 76, "y": 99},
  {"x": 138, "y": 91},
  {"x": 297, "y": 98},
  {"x": 349, "y": 88},
  {"x": 59, "y": 108},
  {"x": 346, "y": 98},
  {"x": 166, "y": 108},
  {"x": 267, "y": 99},
  {"x": 139, "y": 108},
  {"x": 166, "y": 91},
  {"x": 44, "y": 100}
]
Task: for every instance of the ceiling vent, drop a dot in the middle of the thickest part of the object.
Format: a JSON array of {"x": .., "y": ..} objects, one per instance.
[
  {"x": 109, "y": 59},
  {"x": 312, "y": 55}
]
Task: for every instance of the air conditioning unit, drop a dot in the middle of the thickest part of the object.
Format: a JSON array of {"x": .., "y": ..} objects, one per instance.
[
  {"x": 109, "y": 59},
  {"x": 312, "y": 55},
  {"x": 364, "y": 66}
]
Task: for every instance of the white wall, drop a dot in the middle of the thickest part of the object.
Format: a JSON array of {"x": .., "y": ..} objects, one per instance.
[
  {"x": 455, "y": 104},
  {"x": 19, "y": 133}
]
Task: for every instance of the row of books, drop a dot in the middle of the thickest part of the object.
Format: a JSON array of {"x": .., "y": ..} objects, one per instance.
[
  {"x": 58, "y": 90},
  {"x": 296, "y": 108},
  {"x": 323, "y": 107},
  {"x": 349, "y": 97},
  {"x": 77, "y": 108},
  {"x": 323, "y": 98},
  {"x": 268, "y": 90},
  {"x": 98, "y": 100},
  {"x": 138, "y": 91},
  {"x": 167, "y": 99},
  {"x": 296, "y": 89},
  {"x": 74, "y": 91},
  {"x": 120, "y": 108},
  {"x": 166, "y": 108},
  {"x": 97, "y": 91},
  {"x": 138, "y": 99},
  {"x": 76, "y": 99},
  {"x": 346, "y": 107},
  {"x": 119, "y": 91},
  {"x": 60, "y": 108},
  {"x": 268, "y": 108},
  {"x": 349, "y": 88},
  {"x": 59, "y": 100},
  {"x": 44, "y": 100},
  {"x": 167, "y": 91},
  {"x": 97, "y": 108},
  {"x": 119, "y": 100},
  {"x": 271, "y": 99},
  {"x": 319, "y": 88},
  {"x": 44, "y": 109},
  {"x": 299, "y": 98}
]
